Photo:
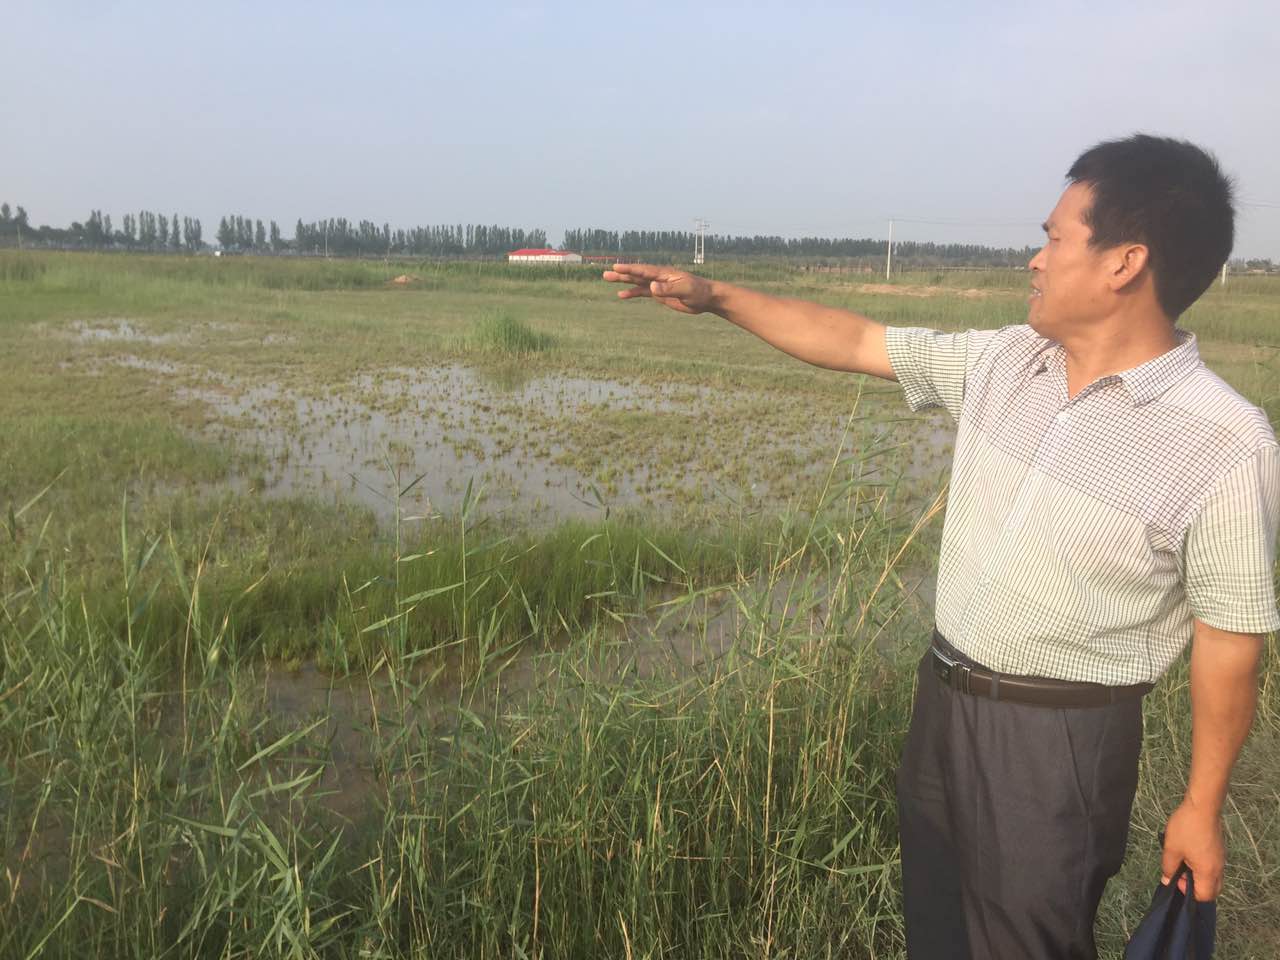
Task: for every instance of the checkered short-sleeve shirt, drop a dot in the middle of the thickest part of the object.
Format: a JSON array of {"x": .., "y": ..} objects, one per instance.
[{"x": 1083, "y": 535}]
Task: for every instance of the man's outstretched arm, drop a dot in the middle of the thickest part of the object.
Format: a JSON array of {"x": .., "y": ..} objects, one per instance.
[
  {"x": 823, "y": 336},
  {"x": 1224, "y": 691}
]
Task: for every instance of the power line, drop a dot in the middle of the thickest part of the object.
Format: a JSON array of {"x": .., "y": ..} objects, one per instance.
[
  {"x": 844, "y": 225},
  {"x": 970, "y": 223}
]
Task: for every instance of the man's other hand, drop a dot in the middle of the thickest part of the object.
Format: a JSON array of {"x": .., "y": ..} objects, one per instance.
[
  {"x": 1194, "y": 836},
  {"x": 671, "y": 287}
]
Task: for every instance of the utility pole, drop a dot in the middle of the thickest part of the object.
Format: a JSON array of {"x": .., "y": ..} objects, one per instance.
[
  {"x": 1224, "y": 273},
  {"x": 700, "y": 240},
  {"x": 888, "y": 255}
]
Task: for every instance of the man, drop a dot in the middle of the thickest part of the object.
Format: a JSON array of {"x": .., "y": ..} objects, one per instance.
[{"x": 1111, "y": 500}]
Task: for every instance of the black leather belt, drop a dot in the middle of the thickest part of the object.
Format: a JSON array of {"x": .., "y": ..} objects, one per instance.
[{"x": 1038, "y": 691}]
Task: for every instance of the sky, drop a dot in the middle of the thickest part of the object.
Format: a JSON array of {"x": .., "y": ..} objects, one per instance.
[{"x": 792, "y": 119}]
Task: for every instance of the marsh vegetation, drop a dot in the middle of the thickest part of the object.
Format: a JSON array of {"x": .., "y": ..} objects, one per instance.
[{"x": 484, "y": 616}]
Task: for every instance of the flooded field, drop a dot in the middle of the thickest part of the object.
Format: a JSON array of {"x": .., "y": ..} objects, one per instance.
[
  {"x": 272, "y": 682},
  {"x": 535, "y": 446}
]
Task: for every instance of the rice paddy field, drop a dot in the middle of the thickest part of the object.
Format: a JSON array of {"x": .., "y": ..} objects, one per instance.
[{"x": 378, "y": 609}]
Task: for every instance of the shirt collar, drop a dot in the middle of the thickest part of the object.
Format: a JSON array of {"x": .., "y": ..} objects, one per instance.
[{"x": 1146, "y": 381}]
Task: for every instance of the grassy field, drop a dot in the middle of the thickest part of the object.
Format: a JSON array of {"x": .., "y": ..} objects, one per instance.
[{"x": 481, "y": 615}]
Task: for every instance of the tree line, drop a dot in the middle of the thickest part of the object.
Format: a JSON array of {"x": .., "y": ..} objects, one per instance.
[
  {"x": 144, "y": 230},
  {"x": 342, "y": 237},
  {"x": 156, "y": 232},
  {"x": 236, "y": 233},
  {"x": 593, "y": 241}
]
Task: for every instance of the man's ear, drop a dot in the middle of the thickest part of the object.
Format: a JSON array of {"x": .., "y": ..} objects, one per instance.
[{"x": 1127, "y": 264}]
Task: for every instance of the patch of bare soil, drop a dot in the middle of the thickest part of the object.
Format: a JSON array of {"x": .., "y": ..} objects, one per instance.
[{"x": 970, "y": 293}]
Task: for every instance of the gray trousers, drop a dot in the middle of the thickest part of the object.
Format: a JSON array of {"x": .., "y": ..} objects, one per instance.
[{"x": 1012, "y": 818}]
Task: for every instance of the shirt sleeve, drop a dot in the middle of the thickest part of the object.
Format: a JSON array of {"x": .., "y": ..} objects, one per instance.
[
  {"x": 1231, "y": 548},
  {"x": 933, "y": 367}
]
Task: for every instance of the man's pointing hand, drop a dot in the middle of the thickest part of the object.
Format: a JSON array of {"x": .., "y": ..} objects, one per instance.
[{"x": 671, "y": 287}]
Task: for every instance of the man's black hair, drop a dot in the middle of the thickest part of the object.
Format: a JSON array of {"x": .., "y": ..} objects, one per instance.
[{"x": 1168, "y": 195}]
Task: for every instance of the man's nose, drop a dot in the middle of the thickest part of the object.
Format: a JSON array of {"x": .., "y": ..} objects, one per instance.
[{"x": 1035, "y": 263}]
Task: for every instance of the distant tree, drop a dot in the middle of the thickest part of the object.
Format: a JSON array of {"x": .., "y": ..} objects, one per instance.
[
  {"x": 162, "y": 232},
  {"x": 21, "y": 218},
  {"x": 195, "y": 235},
  {"x": 4, "y": 213},
  {"x": 277, "y": 243},
  {"x": 90, "y": 229},
  {"x": 175, "y": 238},
  {"x": 146, "y": 229},
  {"x": 259, "y": 237},
  {"x": 108, "y": 236},
  {"x": 226, "y": 234}
]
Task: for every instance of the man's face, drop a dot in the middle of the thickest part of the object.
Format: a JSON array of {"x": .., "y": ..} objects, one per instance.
[{"x": 1069, "y": 288}]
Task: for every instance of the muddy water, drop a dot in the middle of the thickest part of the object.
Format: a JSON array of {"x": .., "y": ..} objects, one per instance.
[
  {"x": 444, "y": 427},
  {"x": 677, "y": 639},
  {"x": 537, "y": 448},
  {"x": 355, "y": 715},
  {"x": 117, "y": 331},
  {"x": 353, "y": 719}
]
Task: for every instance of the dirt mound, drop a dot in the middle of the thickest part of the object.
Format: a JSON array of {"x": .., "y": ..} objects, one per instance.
[{"x": 403, "y": 280}]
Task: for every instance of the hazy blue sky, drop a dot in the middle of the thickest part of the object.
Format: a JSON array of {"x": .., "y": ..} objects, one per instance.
[{"x": 808, "y": 118}]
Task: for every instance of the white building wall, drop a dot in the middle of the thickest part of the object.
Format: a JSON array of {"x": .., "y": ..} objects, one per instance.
[{"x": 545, "y": 258}]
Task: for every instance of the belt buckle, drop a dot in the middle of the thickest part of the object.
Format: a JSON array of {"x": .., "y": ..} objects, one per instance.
[{"x": 951, "y": 672}]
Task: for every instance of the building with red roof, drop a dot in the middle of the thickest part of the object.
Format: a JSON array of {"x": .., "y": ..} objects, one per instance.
[{"x": 543, "y": 255}]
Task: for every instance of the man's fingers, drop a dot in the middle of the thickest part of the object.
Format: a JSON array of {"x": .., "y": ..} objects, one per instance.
[
  {"x": 670, "y": 287},
  {"x": 636, "y": 273},
  {"x": 1207, "y": 886},
  {"x": 658, "y": 289}
]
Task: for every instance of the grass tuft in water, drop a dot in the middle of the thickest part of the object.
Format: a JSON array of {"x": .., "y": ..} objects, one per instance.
[{"x": 498, "y": 331}]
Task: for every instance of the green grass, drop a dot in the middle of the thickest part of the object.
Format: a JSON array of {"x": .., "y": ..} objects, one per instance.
[
  {"x": 151, "y": 808},
  {"x": 497, "y": 762},
  {"x": 500, "y": 332}
]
